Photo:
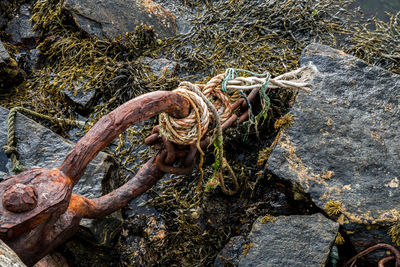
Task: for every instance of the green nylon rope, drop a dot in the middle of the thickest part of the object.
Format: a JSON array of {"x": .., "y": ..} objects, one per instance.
[{"x": 231, "y": 74}]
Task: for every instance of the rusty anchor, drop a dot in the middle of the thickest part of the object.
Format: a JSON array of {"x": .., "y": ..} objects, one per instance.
[{"x": 38, "y": 211}]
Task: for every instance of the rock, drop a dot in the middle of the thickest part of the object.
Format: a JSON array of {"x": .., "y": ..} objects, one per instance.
[
  {"x": 54, "y": 259},
  {"x": 160, "y": 66},
  {"x": 8, "y": 257},
  {"x": 82, "y": 99},
  {"x": 108, "y": 19},
  {"x": 9, "y": 71},
  {"x": 229, "y": 255},
  {"x": 102, "y": 232},
  {"x": 297, "y": 240},
  {"x": 140, "y": 237},
  {"x": 3, "y": 22},
  {"x": 343, "y": 147},
  {"x": 20, "y": 28},
  {"x": 39, "y": 147},
  {"x": 28, "y": 61}
]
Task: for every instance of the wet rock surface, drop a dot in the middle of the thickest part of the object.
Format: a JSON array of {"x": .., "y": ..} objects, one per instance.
[
  {"x": 20, "y": 28},
  {"x": 160, "y": 66},
  {"x": 9, "y": 71},
  {"x": 3, "y": 22},
  {"x": 230, "y": 254},
  {"x": 297, "y": 240},
  {"x": 29, "y": 60},
  {"x": 104, "y": 18},
  {"x": 80, "y": 98},
  {"x": 8, "y": 257},
  {"x": 343, "y": 147}
]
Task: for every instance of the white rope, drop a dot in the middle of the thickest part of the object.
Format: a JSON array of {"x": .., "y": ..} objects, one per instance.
[{"x": 297, "y": 79}]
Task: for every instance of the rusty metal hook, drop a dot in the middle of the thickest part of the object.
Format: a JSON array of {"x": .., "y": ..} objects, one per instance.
[{"x": 38, "y": 210}]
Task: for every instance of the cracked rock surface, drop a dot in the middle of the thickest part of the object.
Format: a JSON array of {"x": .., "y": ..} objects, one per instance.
[
  {"x": 297, "y": 240},
  {"x": 343, "y": 148}
]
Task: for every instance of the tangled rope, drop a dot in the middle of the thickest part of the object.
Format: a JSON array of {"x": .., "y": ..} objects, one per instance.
[
  {"x": 10, "y": 149},
  {"x": 217, "y": 97}
]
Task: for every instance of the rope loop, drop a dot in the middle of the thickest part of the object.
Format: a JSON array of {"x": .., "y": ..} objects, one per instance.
[
  {"x": 184, "y": 131},
  {"x": 9, "y": 150}
]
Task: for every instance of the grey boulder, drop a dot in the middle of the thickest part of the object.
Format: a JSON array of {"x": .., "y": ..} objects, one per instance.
[
  {"x": 106, "y": 18},
  {"x": 343, "y": 148},
  {"x": 297, "y": 240}
]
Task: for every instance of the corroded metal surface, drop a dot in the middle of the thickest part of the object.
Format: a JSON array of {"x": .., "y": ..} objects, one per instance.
[
  {"x": 38, "y": 211},
  {"x": 20, "y": 198}
]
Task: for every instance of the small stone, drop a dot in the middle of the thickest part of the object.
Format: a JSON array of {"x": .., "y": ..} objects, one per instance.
[
  {"x": 20, "y": 198},
  {"x": 297, "y": 240},
  {"x": 9, "y": 71},
  {"x": 230, "y": 254},
  {"x": 3, "y": 22},
  {"x": 108, "y": 19},
  {"x": 20, "y": 28},
  {"x": 28, "y": 61},
  {"x": 160, "y": 66},
  {"x": 82, "y": 99}
]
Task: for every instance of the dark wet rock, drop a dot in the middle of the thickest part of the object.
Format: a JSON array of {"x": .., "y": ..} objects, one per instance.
[
  {"x": 102, "y": 232},
  {"x": 297, "y": 240},
  {"x": 141, "y": 237},
  {"x": 184, "y": 14},
  {"x": 229, "y": 255},
  {"x": 39, "y": 147},
  {"x": 3, "y": 22},
  {"x": 343, "y": 148},
  {"x": 137, "y": 207},
  {"x": 82, "y": 99},
  {"x": 8, "y": 257},
  {"x": 80, "y": 253},
  {"x": 104, "y": 18},
  {"x": 20, "y": 28},
  {"x": 9, "y": 71},
  {"x": 160, "y": 66},
  {"x": 28, "y": 61}
]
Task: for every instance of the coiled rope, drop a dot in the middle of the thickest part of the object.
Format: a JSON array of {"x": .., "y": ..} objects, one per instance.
[{"x": 217, "y": 98}]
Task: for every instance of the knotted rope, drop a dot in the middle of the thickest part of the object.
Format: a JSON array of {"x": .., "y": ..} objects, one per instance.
[
  {"x": 10, "y": 149},
  {"x": 217, "y": 98}
]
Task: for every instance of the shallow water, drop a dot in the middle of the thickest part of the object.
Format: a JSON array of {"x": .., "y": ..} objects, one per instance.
[{"x": 378, "y": 7}]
